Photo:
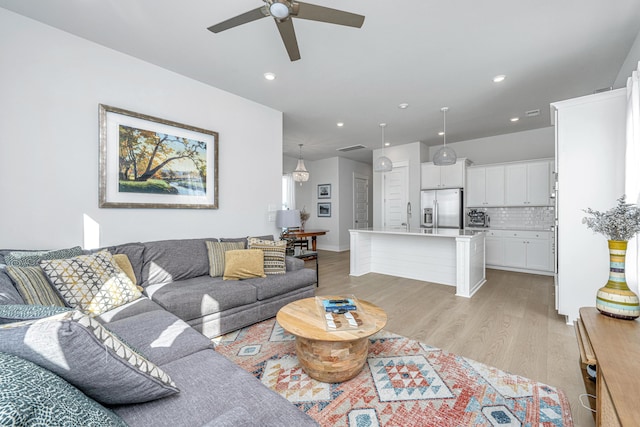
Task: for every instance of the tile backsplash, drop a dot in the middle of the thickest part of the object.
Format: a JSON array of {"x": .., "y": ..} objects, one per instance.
[{"x": 527, "y": 218}]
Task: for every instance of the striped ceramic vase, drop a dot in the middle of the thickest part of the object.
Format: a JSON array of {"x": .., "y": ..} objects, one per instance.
[{"x": 615, "y": 299}]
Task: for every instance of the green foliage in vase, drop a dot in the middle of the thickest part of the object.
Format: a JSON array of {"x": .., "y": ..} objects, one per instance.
[{"x": 621, "y": 222}]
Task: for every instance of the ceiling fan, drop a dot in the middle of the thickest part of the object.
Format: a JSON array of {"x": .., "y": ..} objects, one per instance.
[{"x": 283, "y": 11}]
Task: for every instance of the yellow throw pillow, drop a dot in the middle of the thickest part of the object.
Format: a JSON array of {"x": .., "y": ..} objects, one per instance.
[
  {"x": 243, "y": 264},
  {"x": 122, "y": 261}
]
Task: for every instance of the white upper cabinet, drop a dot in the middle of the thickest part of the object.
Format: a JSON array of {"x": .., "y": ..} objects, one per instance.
[
  {"x": 452, "y": 176},
  {"x": 528, "y": 184},
  {"x": 485, "y": 186}
]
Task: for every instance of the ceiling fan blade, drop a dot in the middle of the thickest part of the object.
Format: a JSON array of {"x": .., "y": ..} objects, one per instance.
[
  {"x": 250, "y": 16},
  {"x": 325, "y": 14},
  {"x": 289, "y": 38}
]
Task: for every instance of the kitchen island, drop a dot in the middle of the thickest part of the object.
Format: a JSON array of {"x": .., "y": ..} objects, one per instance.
[{"x": 445, "y": 256}]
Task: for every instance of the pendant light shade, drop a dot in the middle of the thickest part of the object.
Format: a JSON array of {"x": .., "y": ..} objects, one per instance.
[
  {"x": 444, "y": 156},
  {"x": 300, "y": 174},
  {"x": 382, "y": 163}
]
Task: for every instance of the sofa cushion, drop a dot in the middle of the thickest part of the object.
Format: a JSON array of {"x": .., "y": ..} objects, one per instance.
[
  {"x": 160, "y": 336},
  {"x": 133, "y": 308},
  {"x": 215, "y": 251},
  {"x": 172, "y": 260},
  {"x": 8, "y": 292},
  {"x": 33, "y": 286},
  {"x": 193, "y": 298},
  {"x": 84, "y": 353},
  {"x": 10, "y": 313},
  {"x": 122, "y": 261},
  {"x": 281, "y": 284},
  {"x": 243, "y": 264},
  {"x": 91, "y": 283},
  {"x": 245, "y": 240},
  {"x": 135, "y": 253},
  {"x": 33, "y": 258},
  {"x": 274, "y": 254},
  {"x": 293, "y": 263},
  {"x": 33, "y": 396},
  {"x": 212, "y": 385}
]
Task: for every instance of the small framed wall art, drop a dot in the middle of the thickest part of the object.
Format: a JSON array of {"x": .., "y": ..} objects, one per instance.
[
  {"x": 324, "y": 191},
  {"x": 324, "y": 209},
  {"x": 147, "y": 162}
]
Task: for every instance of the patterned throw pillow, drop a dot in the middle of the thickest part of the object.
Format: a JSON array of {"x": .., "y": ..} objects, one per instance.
[
  {"x": 216, "y": 252},
  {"x": 274, "y": 254},
  {"x": 91, "y": 283},
  {"x": 32, "y": 396},
  {"x": 10, "y": 313},
  {"x": 33, "y": 258},
  {"x": 33, "y": 286},
  {"x": 84, "y": 353},
  {"x": 243, "y": 264}
]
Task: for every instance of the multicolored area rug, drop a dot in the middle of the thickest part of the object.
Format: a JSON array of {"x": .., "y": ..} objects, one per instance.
[{"x": 404, "y": 383}]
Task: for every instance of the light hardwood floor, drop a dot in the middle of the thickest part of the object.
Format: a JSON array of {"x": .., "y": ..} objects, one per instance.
[{"x": 510, "y": 323}]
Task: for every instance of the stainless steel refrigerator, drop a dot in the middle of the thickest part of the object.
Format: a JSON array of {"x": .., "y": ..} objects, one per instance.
[{"x": 441, "y": 208}]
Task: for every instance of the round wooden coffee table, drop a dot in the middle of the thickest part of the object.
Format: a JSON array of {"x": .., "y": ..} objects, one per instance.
[{"x": 326, "y": 356}]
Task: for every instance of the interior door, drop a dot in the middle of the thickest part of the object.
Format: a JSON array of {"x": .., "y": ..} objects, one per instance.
[
  {"x": 360, "y": 202},
  {"x": 395, "y": 197}
]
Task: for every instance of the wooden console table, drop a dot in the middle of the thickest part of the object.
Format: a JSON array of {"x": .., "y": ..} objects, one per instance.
[
  {"x": 295, "y": 234},
  {"x": 613, "y": 345}
]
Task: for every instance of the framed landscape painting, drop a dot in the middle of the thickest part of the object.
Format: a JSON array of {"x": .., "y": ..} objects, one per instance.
[{"x": 147, "y": 162}]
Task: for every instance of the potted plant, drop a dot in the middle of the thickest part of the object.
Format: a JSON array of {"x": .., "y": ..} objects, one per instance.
[{"x": 619, "y": 224}]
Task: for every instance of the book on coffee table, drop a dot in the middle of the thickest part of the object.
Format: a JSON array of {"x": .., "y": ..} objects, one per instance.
[{"x": 341, "y": 313}]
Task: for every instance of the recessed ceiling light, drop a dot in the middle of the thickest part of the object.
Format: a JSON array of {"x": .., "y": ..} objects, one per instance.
[
  {"x": 499, "y": 78},
  {"x": 440, "y": 133},
  {"x": 340, "y": 124},
  {"x": 403, "y": 106},
  {"x": 269, "y": 76},
  {"x": 514, "y": 119},
  {"x": 386, "y": 144}
]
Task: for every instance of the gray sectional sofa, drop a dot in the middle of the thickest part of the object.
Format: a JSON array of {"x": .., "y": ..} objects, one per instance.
[{"x": 171, "y": 324}]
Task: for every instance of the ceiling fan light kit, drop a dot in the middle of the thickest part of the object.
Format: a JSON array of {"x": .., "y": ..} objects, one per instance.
[
  {"x": 382, "y": 163},
  {"x": 282, "y": 11},
  {"x": 445, "y": 156}
]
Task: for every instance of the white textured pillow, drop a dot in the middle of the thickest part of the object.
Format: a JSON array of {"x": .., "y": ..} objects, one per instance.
[{"x": 91, "y": 283}]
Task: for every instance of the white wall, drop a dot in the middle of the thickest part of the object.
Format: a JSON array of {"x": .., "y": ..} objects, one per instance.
[
  {"x": 51, "y": 84},
  {"x": 590, "y": 156},
  {"x": 346, "y": 171},
  {"x": 338, "y": 172},
  {"x": 413, "y": 154},
  {"x": 526, "y": 145},
  {"x": 629, "y": 65}
]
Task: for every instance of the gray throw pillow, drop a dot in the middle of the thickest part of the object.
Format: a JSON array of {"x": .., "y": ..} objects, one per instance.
[
  {"x": 84, "y": 353},
  {"x": 32, "y": 396}
]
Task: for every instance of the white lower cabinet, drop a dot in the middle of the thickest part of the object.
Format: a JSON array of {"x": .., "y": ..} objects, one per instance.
[{"x": 520, "y": 250}]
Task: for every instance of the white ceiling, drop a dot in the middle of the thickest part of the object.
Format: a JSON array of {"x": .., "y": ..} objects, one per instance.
[{"x": 425, "y": 53}]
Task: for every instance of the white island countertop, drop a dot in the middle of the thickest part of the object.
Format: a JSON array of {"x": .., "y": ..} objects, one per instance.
[
  {"x": 431, "y": 232},
  {"x": 443, "y": 255}
]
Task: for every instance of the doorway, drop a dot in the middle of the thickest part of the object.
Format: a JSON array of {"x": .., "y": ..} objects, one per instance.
[
  {"x": 360, "y": 201},
  {"x": 395, "y": 187}
]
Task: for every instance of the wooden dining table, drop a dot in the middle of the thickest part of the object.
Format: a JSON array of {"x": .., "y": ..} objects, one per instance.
[{"x": 295, "y": 234}]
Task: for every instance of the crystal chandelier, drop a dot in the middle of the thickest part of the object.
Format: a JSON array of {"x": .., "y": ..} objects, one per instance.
[{"x": 300, "y": 174}]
